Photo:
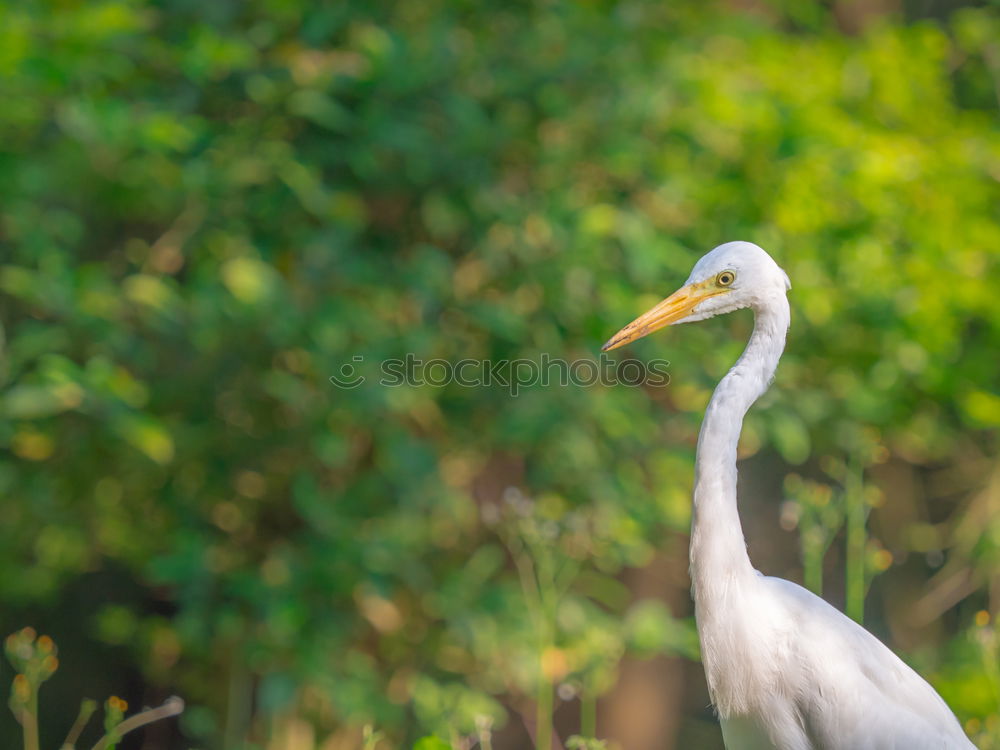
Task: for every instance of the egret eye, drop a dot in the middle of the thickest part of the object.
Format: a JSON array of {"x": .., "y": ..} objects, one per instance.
[{"x": 725, "y": 278}]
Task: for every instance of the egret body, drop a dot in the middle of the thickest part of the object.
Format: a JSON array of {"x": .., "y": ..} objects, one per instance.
[{"x": 785, "y": 669}]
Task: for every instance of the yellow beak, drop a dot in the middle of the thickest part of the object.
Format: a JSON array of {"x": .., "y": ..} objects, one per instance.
[{"x": 676, "y": 307}]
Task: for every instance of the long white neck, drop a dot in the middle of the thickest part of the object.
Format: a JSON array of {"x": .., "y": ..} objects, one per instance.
[{"x": 718, "y": 550}]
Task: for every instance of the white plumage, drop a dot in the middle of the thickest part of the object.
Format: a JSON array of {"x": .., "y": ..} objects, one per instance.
[{"x": 785, "y": 670}]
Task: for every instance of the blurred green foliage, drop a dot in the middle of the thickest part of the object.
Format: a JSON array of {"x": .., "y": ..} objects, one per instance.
[{"x": 208, "y": 209}]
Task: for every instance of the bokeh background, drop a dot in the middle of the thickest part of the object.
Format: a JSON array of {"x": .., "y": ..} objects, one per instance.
[{"x": 207, "y": 209}]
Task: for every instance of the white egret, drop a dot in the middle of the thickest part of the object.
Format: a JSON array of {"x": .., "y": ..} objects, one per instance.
[{"x": 785, "y": 669}]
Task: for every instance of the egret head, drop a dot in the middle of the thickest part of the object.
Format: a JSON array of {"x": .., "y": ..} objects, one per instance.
[{"x": 730, "y": 277}]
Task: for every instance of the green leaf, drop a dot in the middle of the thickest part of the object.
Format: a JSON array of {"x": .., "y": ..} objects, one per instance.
[
  {"x": 432, "y": 742},
  {"x": 35, "y": 401}
]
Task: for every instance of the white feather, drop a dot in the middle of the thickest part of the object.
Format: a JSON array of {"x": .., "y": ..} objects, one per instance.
[{"x": 785, "y": 670}]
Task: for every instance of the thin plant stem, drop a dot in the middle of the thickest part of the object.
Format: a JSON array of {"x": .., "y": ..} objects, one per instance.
[
  {"x": 856, "y": 513},
  {"x": 991, "y": 665},
  {"x": 529, "y": 586},
  {"x": 549, "y": 599},
  {"x": 87, "y": 708},
  {"x": 813, "y": 551},
  {"x": 30, "y": 721},
  {"x": 171, "y": 707},
  {"x": 543, "y": 715},
  {"x": 814, "y": 571},
  {"x": 588, "y": 714},
  {"x": 534, "y": 574}
]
